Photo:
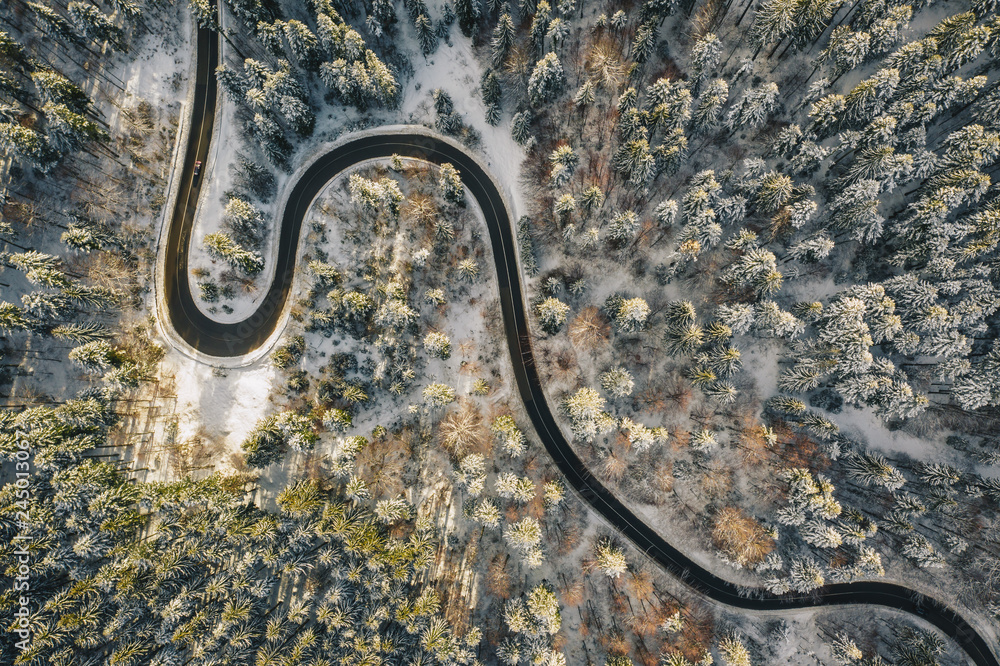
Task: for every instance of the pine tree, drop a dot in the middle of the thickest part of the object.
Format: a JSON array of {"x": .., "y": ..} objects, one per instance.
[
  {"x": 96, "y": 356},
  {"x": 376, "y": 196},
  {"x": 505, "y": 428},
  {"x": 811, "y": 250},
  {"x": 629, "y": 314},
  {"x": 803, "y": 377},
  {"x": 644, "y": 42},
  {"x": 551, "y": 314},
  {"x": 585, "y": 410},
  {"x": 437, "y": 345},
  {"x": 805, "y": 575},
  {"x": 617, "y": 382},
  {"x": 637, "y": 162},
  {"x": 939, "y": 474},
  {"x": 450, "y": 184},
  {"x": 520, "y": 127},
  {"x": 592, "y": 199},
  {"x": 301, "y": 499},
  {"x": 734, "y": 651},
  {"x": 68, "y": 131},
  {"x": 204, "y": 13},
  {"x": 827, "y": 114},
  {"x": 447, "y": 121},
  {"x": 468, "y": 13},
  {"x": 887, "y": 31},
  {"x": 438, "y": 395},
  {"x": 523, "y": 535},
  {"x": 564, "y": 207},
  {"x": 708, "y": 110},
  {"x": 382, "y": 18},
  {"x": 487, "y": 513},
  {"x": 526, "y": 251},
  {"x": 492, "y": 95},
  {"x": 564, "y": 161},
  {"x": 245, "y": 220},
  {"x": 269, "y": 35},
  {"x": 425, "y": 34},
  {"x": 553, "y": 492},
  {"x": 855, "y": 209},
  {"x": 57, "y": 89},
  {"x": 90, "y": 21},
  {"x": 610, "y": 559},
  {"x": 262, "y": 445},
  {"x": 847, "y": 49},
  {"x": 503, "y": 39},
  {"x": 624, "y": 226},
  {"x": 27, "y": 146},
  {"x": 81, "y": 333},
  {"x": 392, "y": 313},
  {"x": 222, "y": 246},
  {"x": 232, "y": 82},
  {"x": 757, "y": 269},
  {"x": 705, "y": 55},
  {"x": 337, "y": 419},
  {"x": 872, "y": 468},
  {"x": 683, "y": 339},
  {"x": 546, "y": 81},
  {"x": 867, "y": 99},
  {"x": 45, "y": 305},
  {"x": 668, "y": 105},
  {"x": 754, "y": 108},
  {"x": 680, "y": 313},
  {"x": 774, "y": 20},
  {"x": 813, "y": 18},
  {"x": 53, "y": 24},
  {"x": 775, "y": 190},
  {"x": 521, "y": 489},
  {"x": 770, "y": 319},
  {"x": 585, "y": 96},
  {"x": 393, "y": 510},
  {"x": 725, "y": 360},
  {"x": 303, "y": 44},
  {"x": 632, "y": 123},
  {"x": 468, "y": 269},
  {"x": 39, "y": 268},
  {"x": 272, "y": 141}
]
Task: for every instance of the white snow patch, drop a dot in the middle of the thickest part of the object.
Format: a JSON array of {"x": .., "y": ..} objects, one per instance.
[
  {"x": 221, "y": 403},
  {"x": 863, "y": 424},
  {"x": 454, "y": 69}
]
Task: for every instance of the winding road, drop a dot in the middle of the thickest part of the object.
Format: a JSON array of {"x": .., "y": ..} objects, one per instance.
[{"x": 228, "y": 340}]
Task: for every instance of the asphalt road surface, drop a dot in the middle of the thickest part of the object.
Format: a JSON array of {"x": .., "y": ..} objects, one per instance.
[{"x": 227, "y": 340}]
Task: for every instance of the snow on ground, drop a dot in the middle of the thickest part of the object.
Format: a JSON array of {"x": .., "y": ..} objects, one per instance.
[
  {"x": 156, "y": 71},
  {"x": 227, "y": 402},
  {"x": 209, "y": 219},
  {"x": 864, "y": 425},
  {"x": 761, "y": 365},
  {"x": 220, "y": 404},
  {"x": 452, "y": 67},
  {"x": 159, "y": 71}
]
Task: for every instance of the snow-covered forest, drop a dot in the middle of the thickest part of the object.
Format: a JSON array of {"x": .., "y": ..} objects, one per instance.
[{"x": 758, "y": 247}]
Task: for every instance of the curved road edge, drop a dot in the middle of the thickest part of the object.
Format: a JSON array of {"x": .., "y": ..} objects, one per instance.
[
  {"x": 174, "y": 239},
  {"x": 213, "y": 340}
]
